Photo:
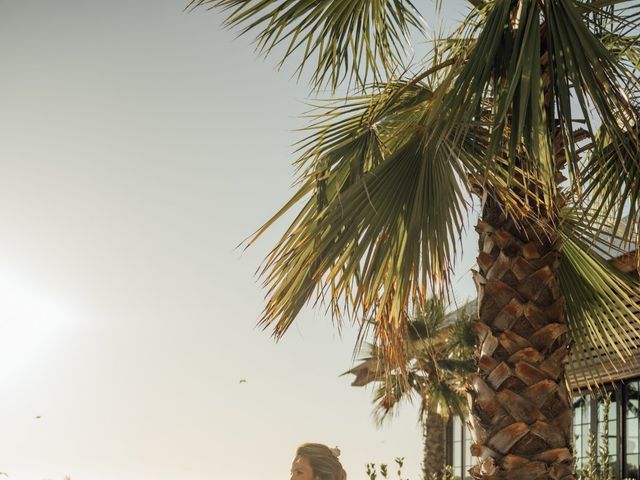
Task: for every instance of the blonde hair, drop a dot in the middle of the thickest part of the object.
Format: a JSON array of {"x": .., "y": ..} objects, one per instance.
[{"x": 323, "y": 460}]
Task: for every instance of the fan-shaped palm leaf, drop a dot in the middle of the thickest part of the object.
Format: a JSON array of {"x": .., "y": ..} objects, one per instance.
[{"x": 353, "y": 39}]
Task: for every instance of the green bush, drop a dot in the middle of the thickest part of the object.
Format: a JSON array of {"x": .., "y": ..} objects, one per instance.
[{"x": 383, "y": 470}]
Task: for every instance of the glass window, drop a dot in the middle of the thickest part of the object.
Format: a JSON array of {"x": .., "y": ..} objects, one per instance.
[
  {"x": 632, "y": 459},
  {"x": 581, "y": 428},
  {"x": 461, "y": 459},
  {"x": 469, "y": 461},
  {"x": 456, "y": 435}
]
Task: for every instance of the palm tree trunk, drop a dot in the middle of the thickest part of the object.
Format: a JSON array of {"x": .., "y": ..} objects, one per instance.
[
  {"x": 520, "y": 407},
  {"x": 434, "y": 431}
]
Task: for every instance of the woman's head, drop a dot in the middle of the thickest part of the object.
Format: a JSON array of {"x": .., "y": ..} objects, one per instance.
[{"x": 314, "y": 461}]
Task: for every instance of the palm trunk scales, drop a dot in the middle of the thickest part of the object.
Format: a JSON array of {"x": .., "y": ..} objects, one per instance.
[{"x": 520, "y": 409}]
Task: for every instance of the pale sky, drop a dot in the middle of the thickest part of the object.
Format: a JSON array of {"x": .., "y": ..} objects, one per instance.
[{"x": 139, "y": 145}]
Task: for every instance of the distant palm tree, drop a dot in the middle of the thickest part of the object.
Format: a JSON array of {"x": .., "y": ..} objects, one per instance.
[
  {"x": 529, "y": 110},
  {"x": 439, "y": 360}
]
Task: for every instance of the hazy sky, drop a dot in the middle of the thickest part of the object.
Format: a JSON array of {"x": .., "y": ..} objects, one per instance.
[{"x": 139, "y": 145}]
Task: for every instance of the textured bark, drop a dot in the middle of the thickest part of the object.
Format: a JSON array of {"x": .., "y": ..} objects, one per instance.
[
  {"x": 520, "y": 407},
  {"x": 434, "y": 431}
]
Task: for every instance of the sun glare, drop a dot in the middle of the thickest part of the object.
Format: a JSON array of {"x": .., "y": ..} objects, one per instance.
[{"x": 34, "y": 320}]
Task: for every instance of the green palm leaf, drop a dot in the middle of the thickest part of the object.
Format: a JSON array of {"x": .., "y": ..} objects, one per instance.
[
  {"x": 500, "y": 83},
  {"x": 353, "y": 40},
  {"x": 387, "y": 237},
  {"x": 610, "y": 175},
  {"x": 602, "y": 303},
  {"x": 383, "y": 215}
]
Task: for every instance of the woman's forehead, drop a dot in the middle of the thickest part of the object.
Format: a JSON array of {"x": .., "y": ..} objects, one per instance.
[{"x": 300, "y": 462}]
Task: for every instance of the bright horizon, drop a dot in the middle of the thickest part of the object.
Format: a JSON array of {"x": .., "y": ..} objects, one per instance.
[{"x": 141, "y": 145}]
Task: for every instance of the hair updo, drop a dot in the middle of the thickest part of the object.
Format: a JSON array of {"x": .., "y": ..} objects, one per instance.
[{"x": 323, "y": 460}]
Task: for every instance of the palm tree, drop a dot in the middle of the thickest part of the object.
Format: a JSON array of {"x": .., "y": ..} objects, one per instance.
[
  {"x": 439, "y": 359},
  {"x": 527, "y": 113}
]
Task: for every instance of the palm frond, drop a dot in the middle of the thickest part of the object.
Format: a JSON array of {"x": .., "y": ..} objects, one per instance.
[
  {"x": 528, "y": 103},
  {"x": 389, "y": 236},
  {"x": 585, "y": 70},
  {"x": 601, "y": 302},
  {"x": 382, "y": 218},
  {"x": 388, "y": 395},
  {"x": 348, "y": 137},
  {"x": 611, "y": 173},
  {"x": 356, "y": 40},
  {"x": 599, "y": 233},
  {"x": 616, "y": 27},
  {"x": 446, "y": 400},
  {"x": 499, "y": 84}
]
